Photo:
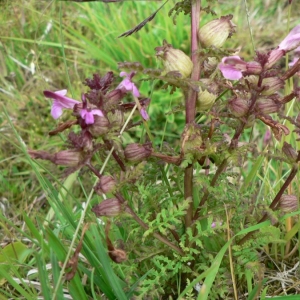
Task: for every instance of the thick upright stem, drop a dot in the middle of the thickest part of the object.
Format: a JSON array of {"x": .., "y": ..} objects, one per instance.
[{"x": 190, "y": 103}]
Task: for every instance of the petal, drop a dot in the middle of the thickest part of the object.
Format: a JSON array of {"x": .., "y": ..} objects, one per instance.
[
  {"x": 89, "y": 118},
  {"x": 292, "y": 40},
  {"x": 97, "y": 112},
  {"x": 230, "y": 72},
  {"x": 144, "y": 114},
  {"x": 59, "y": 97},
  {"x": 61, "y": 92},
  {"x": 56, "y": 110},
  {"x": 135, "y": 91},
  {"x": 123, "y": 74},
  {"x": 83, "y": 112},
  {"x": 127, "y": 84}
]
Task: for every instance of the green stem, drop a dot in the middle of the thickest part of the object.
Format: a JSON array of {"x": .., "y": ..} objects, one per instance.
[{"x": 190, "y": 104}]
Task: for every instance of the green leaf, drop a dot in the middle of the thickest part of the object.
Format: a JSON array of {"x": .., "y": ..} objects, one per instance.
[{"x": 12, "y": 255}]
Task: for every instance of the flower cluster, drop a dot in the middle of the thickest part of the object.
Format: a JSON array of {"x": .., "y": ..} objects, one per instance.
[
  {"x": 99, "y": 114},
  {"x": 257, "y": 94}
]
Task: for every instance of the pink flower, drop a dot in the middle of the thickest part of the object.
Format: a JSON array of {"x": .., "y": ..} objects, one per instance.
[
  {"x": 232, "y": 67},
  {"x": 60, "y": 102},
  {"x": 144, "y": 114},
  {"x": 88, "y": 115},
  {"x": 127, "y": 84},
  {"x": 291, "y": 41}
]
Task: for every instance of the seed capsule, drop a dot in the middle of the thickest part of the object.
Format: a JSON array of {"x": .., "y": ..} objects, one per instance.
[
  {"x": 216, "y": 32},
  {"x": 174, "y": 59}
]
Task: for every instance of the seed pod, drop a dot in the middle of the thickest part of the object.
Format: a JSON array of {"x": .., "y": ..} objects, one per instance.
[
  {"x": 100, "y": 126},
  {"x": 105, "y": 185},
  {"x": 109, "y": 208},
  {"x": 174, "y": 59},
  {"x": 205, "y": 100},
  {"x": 267, "y": 106},
  {"x": 288, "y": 203},
  {"x": 69, "y": 158},
  {"x": 272, "y": 85},
  {"x": 290, "y": 152},
  {"x": 216, "y": 32},
  {"x": 238, "y": 106},
  {"x": 136, "y": 152}
]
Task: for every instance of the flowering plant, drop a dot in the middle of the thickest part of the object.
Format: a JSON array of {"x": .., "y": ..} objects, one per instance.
[{"x": 193, "y": 173}]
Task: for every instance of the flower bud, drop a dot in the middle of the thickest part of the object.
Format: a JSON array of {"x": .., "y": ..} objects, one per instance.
[
  {"x": 272, "y": 85},
  {"x": 205, "y": 100},
  {"x": 136, "y": 152},
  {"x": 238, "y": 106},
  {"x": 253, "y": 67},
  {"x": 288, "y": 203},
  {"x": 174, "y": 59},
  {"x": 292, "y": 40},
  {"x": 267, "y": 106},
  {"x": 274, "y": 56},
  {"x": 99, "y": 127},
  {"x": 105, "y": 185},
  {"x": 109, "y": 208},
  {"x": 290, "y": 152},
  {"x": 216, "y": 32},
  {"x": 69, "y": 158}
]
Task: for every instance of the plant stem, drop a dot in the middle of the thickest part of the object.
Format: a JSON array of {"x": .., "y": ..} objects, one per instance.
[{"x": 190, "y": 103}]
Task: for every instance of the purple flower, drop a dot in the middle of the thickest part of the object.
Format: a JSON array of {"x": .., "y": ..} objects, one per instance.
[
  {"x": 232, "y": 67},
  {"x": 291, "y": 41},
  {"x": 88, "y": 115},
  {"x": 60, "y": 102},
  {"x": 127, "y": 84}
]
